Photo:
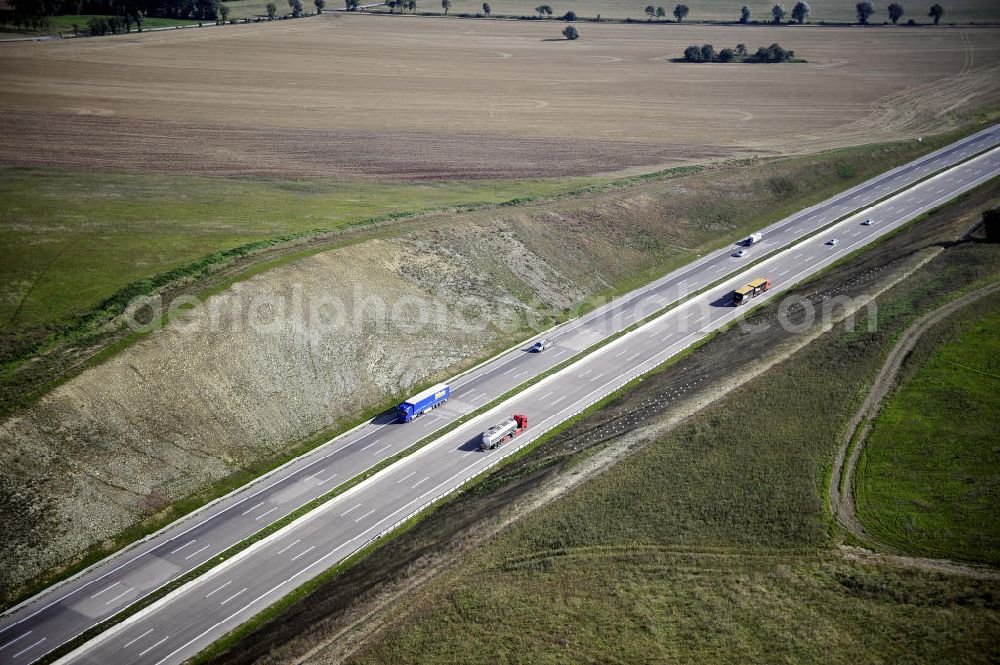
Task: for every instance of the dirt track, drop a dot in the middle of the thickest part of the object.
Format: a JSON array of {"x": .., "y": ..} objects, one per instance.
[
  {"x": 842, "y": 505},
  {"x": 333, "y": 96}
]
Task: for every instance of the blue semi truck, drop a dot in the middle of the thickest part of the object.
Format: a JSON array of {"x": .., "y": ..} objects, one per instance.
[{"x": 423, "y": 402}]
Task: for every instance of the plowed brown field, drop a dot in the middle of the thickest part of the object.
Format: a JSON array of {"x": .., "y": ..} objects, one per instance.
[{"x": 422, "y": 97}]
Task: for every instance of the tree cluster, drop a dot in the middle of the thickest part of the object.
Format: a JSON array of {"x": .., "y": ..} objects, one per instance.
[
  {"x": 707, "y": 53},
  {"x": 122, "y": 15}
]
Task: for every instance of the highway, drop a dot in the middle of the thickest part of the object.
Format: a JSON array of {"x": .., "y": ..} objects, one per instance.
[{"x": 177, "y": 627}]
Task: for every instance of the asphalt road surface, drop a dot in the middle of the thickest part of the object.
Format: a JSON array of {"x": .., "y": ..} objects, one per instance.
[{"x": 191, "y": 618}]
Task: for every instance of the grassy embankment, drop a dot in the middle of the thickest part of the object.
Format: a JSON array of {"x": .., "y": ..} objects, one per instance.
[
  {"x": 714, "y": 543},
  {"x": 927, "y": 480}
]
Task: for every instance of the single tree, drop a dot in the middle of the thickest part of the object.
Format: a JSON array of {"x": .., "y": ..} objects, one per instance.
[
  {"x": 486, "y": 8},
  {"x": 272, "y": 10},
  {"x": 895, "y": 12},
  {"x": 446, "y": 5},
  {"x": 320, "y": 4},
  {"x": 569, "y": 16},
  {"x": 741, "y": 50},
  {"x": 138, "y": 18},
  {"x": 680, "y": 11},
  {"x": 800, "y": 12},
  {"x": 296, "y": 7},
  {"x": 745, "y": 14},
  {"x": 411, "y": 5},
  {"x": 777, "y": 13},
  {"x": 224, "y": 11},
  {"x": 708, "y": 53},
  {"x": 542, "y": 10},
  {"x": 650, "y": 11},
  {"x": 936, "y": 12},
  {"x": 351, "y": 5},
  {"x": 660, "y": 13},
  {"x": 726, "y": 55},
  {"x": 865, "y": 9},
  {"x": 571, "y": 33}
]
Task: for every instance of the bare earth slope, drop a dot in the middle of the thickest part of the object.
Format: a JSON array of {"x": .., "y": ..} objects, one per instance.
[{"x": 420, "y": 98}]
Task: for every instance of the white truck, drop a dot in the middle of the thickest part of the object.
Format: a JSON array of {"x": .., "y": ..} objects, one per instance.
[
  {"x": 503, "y": 431},
  {"x": 754, "y": 239}
]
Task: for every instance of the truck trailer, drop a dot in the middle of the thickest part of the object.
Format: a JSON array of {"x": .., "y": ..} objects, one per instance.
[
  {"x": 751, "y": 290},
  {"x": 753, "y": 239},
  {"x": 423, "y": 402},
  {"x": 502, "y": 432}
]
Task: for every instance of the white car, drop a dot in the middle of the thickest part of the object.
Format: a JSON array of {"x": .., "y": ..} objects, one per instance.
[
  {"x": 832, "y": 241},
  {"x": 541, "y": 345},
  {"x": 868, "y": 222},
  {"x": 740, "y": 253}
]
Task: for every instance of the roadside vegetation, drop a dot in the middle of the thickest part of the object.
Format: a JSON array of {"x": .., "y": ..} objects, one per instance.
[
  {"x": 709, "y": 539},
  {"x": 927, "y": 477}
]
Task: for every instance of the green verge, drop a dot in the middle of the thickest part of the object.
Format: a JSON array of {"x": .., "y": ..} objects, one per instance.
[{"x": 927, "y": 478}]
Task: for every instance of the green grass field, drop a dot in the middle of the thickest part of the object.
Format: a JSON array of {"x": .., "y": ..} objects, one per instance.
[
  {"x": 63, "y": 23},
  {"x": 68, "y": 238},
  {"x": 714, "y": 543},
  {"x": 927, "y": 480}
]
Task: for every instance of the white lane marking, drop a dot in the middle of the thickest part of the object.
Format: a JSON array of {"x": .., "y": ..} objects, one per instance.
[
  {"x": 252, "y": 508},
  {"x": 467, "y": 454},
  {"x": 381, "y": 449},
  {"x": 586, "y": 373},
  {"x": 409, "y": 475},
  {"x": 263, "y": 515},
  {"x": 471, "y": 395},
  {"x": 632, "y": 357},
  {"x": 210, "y": 593},
  {"x": 233, "y": 596},
  {"x": 521, "y": 373},
  {"x": 556, "y": 401},
  {"x": 134, "y": 640},
  {"x": 508, "y": 371},
  {"x": 597, "y": 377},
  {"x": 622, "y": 352},
  {"x": 422, "y": 480},
  {"x": 18, "y": 638},
  {"x": 147, "y": 650},
  {"x": 364, "y": 516},
  {"x": 107, "y": 588},
  {"x": 29, "y": 648},
  {"x": 314, "y": 475},
  {"x": 123, "y": 593},
  {"x": 545, "y": 395},
  {"x": 197, "y": 553},
  {"x": 349, "y": 510},
  {"x": 561, "y": 351},
  {"x": 288, "y": 547},
  {"x": 304, "y": 552},
  {"x": 371, "y": 444},
  {"x": 190, "y": 542},
  {"x": 326, "y": 480}
]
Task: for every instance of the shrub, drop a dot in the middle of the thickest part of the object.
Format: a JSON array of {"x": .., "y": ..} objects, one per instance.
[{"x": 569, "y": 32}]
